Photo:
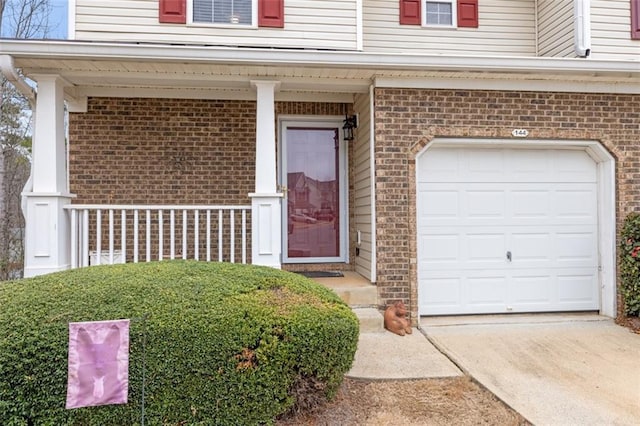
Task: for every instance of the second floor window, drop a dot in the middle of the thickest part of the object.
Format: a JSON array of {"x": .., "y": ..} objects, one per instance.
[
  {"x": 440, "y": 12},
  {"x": 223, "y": 11}
]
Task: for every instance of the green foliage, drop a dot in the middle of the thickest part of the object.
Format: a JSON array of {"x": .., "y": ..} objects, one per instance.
[
  {"x": 223, "y": 343},
  {"x": 630, "y": 264}
]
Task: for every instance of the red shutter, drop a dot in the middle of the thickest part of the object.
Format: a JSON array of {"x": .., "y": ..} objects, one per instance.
[
  {"x": 468, "y": 13},
  {"x": 271, "y": 13},
  {"x": 635, "y": 19},
  {"x": 410, "y": 12},
  {"x": 173, "y": 11}
]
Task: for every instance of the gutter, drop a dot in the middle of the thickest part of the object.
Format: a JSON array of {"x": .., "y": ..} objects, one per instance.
[
  {"x": 11, "y": 74},
  {"x": 321, "y": 59}
]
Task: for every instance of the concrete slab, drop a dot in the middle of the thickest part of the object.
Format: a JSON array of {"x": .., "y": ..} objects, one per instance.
[
  {"x": 353, "y": 288},
  {"x": 370, "y": 319},
  {"x": 563, "y": 372},
  {"x": 384, "y": 356}
]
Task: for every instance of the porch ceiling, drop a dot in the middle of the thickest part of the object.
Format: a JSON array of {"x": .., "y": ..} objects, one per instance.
[{"x": 100, "y": 69}]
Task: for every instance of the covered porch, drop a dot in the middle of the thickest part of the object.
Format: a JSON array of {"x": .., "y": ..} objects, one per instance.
[{"x": 168, "y": 159}]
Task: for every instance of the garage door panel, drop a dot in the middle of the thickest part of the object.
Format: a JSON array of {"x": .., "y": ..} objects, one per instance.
[
  {"x": 576, "y": 247},
  {"x": 445, "y": 294},
  {"x": 530, "y": 291},
  {"x": 577, "y": 289},
  {"x": 576, "y": 204},
  {"x": 482, "y": 166},
  {"x": 484, "y": 248},
  {"x": 436, "y": 248},
  {"x": 486, "y": 204},
  {"x": 438, "y": 203},
  {"x": 530, "y": 203},
  {"x": 459, "y": 204},
  {"x": 531, "y": 247},
  {"x": 485, "y": 290},
  {"x": 443, "y": 165},
  {"x": 528, "y": 165},
  {"x": 491, "y": 291},
  {"x": 538, "y": 205},
  {"x": 574, "y": 166},
  {"x": 506, "y": 165}
]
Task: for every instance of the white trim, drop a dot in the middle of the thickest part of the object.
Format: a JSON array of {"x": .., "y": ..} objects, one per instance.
[
  {"x": 569, "y": 85},
  {"x": 606, "y": 200},
  {"x": 330, "y": 122},
  {"x": 372, "y": 165},
  {"x": 454, "y": 14},
  {"x": 253, "y": 25},
  {"x": 203, "y": 93},
  {"x": 342, "y": 59},
  {"x": 71, "y": 20}
]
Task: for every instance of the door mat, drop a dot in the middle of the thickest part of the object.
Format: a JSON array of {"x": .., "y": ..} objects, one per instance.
[{"x": 321, "y": 274}]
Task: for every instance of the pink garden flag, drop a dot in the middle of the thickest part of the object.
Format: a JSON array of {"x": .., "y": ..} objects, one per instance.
[{"x": 98, "y": 363}]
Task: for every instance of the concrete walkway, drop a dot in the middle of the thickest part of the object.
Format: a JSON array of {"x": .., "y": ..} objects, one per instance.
[
  {"x": 385, "y": 356},
  {"x": 554, "y": 370}
]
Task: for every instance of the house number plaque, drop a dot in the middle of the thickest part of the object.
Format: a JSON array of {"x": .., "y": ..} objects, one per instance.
[{"x": 520, "y": 133}]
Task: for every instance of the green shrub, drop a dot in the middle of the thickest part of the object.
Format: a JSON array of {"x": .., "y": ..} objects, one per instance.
[
  {"x": 630, "y": 264},
  {"x": 223, "y": 343}
]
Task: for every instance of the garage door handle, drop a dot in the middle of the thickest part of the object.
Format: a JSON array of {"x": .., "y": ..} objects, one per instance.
[{"x": 509, "y": 256}]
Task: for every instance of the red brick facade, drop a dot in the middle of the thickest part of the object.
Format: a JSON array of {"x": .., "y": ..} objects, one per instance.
[
  {"x": 406, "y": 120},
  {"x": 170, "y": 151},
  {"x": 165, "y": 151}
]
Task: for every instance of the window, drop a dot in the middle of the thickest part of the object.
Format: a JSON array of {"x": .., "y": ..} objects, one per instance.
[
  {"x": 440, "y": 12},
  {"x": 269, "y": 13},
  {"x": 223, "y": 11}
]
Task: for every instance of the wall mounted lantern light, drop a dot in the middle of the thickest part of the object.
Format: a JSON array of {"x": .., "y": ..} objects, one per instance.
[{"x": 350, "y": 123}]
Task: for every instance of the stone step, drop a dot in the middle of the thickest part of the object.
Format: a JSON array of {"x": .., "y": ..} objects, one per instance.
[
  {"x": 359, "y": 296},
  {"x": 353, "y": 288},
  {"x": 370, "y": 320}
]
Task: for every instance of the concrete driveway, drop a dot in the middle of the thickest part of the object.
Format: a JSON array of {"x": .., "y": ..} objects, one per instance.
[{"x": 552, "y": 369}]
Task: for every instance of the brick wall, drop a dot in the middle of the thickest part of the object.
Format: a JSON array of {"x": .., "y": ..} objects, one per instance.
[
  {"x": 169, "y": 151},
  {"x": 407, "y": 119}
]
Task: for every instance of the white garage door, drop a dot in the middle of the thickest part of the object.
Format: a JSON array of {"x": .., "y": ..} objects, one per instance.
[{"x": 506, "y": 230}]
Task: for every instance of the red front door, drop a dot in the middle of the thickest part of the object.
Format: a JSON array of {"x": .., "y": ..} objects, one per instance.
[{"x": 312, "y": 172}]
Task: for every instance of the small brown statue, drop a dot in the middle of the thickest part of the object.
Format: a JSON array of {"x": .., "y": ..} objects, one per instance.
[{"x": 395, "y": 319}]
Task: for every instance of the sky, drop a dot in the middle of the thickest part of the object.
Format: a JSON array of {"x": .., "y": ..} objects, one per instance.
[{"x": 58, "y": 20}]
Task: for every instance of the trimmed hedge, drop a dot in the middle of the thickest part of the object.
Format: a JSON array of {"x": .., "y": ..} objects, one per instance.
[
  {"x": 224, "y": 343},
  {"x": 630, "y": 264}
]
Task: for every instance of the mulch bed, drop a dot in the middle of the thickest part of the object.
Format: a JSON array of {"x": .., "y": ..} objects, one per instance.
[
  {"x": 445, "y": 401},
  {"x": 633, "y": 323}
]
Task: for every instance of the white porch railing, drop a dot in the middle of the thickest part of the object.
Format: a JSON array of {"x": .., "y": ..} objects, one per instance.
[{"x": 107, "y": 234}]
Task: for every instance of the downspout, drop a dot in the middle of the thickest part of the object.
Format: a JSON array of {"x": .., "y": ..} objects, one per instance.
[
  {"x": 582, "y": 27},
  {"x": 372, "y": 165},
  {"x": 11, "y": 74}
]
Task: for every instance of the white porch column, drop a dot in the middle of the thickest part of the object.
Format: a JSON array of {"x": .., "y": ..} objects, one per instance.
[
  {"x": 266, "y": 220},
  {"x": 47, "y": 233}
]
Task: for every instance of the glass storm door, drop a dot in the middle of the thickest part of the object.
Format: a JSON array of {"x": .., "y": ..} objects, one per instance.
[{"x": 313, "y": 208}]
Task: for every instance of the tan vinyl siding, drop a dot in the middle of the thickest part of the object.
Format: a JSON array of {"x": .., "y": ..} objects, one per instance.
[
  {"x": 555, "y": 28},
  {"x": 506, "y": 28},
  {"x": 327, "y": 24},
  {"x": 362, "y": 185},
  {"x": 611, "y": 30}
]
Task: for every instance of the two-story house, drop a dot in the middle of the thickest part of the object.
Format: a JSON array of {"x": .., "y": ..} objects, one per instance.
[{"x": 466, "y": 156}]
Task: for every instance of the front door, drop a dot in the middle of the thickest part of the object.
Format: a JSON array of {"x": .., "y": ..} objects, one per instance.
[{"x": 312, "y": 159}]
